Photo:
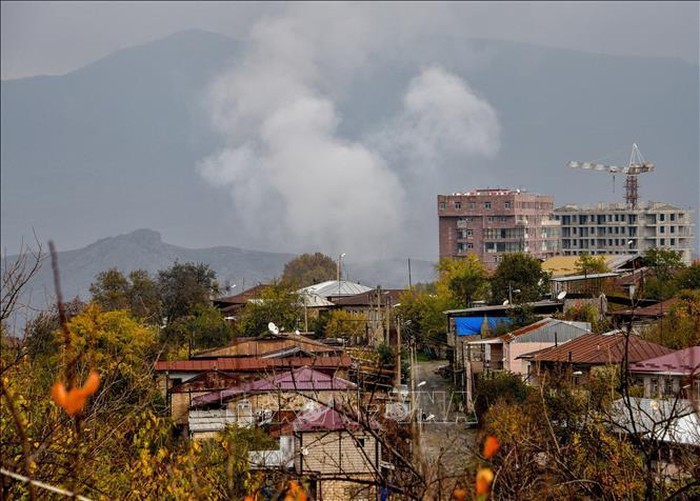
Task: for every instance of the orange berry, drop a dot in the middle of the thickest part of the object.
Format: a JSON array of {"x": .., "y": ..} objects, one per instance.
[
  {"x": 484, "y": 477},
  {"x": 491, "y": 446},
  {"x": 459, "y": 494}
]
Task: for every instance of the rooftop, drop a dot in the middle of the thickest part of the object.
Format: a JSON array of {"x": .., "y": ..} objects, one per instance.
[
  {"x": 302, "y": 379},
  {"x": 682, "y": 362},
  {"x": 253, "y": 364},
  {"x": 600, "y": 349}
]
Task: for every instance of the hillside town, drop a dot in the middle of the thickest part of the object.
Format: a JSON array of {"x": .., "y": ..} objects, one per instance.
[
  {"x": 569, "y": 336},
  {"x": 350, "y": 251}
]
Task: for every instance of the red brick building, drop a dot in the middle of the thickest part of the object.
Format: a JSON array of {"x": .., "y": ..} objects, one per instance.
[{"x": 493, "y": 222}]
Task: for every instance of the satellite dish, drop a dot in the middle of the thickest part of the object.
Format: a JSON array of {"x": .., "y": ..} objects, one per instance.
[
  {"x": 561, "y": 295},
  {"x": 506, "y": 302},
  {"x": 297, "y": 332},
  {"x": 273, "y": 328},
  {"x": 304, "y": 451}
]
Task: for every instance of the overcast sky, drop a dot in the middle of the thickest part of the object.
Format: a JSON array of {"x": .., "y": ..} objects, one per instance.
[{"x": 57, "y": 37}]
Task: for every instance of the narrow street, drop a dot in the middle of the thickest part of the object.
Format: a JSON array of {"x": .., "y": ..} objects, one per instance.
[{"x": 444, "y": 439}]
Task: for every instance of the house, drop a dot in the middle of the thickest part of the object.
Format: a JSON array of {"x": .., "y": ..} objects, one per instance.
[
  {"x": 259, "y": 401},
  {"x": 669, "y": 376},
  {"x": 341, "y": 455},
  {"x": 180, "y": 396},
  {"x": 643, "y": 316},
  {"x": 670, "y": 426},
  {"x": 504, "y": 352},
  {"x": 471, "y": 324},
  {"x": 231, "y": 306},
  {"x": 377, "y": 307},
  {"x": 271, "y": 346},
  {"x": 588, "y": 352}
]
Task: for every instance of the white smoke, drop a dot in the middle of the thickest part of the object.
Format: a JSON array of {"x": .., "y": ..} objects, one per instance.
[{"x": 296, "y": 184}]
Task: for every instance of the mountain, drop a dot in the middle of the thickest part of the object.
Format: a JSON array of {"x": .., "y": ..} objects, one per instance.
[
  {"x": 145, "y": 249},
  {"x": 115, "y": 144}
]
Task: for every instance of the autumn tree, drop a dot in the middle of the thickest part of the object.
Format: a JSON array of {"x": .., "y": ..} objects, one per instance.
[
  {"x": 275, "y": 303},
  {"x": 521, "y": 272},
  {"x": 309, "y": 269},
  {"x": 665, "y": 265},
  {"x": 466, "y": 279},
  {"x": 346, "y": 325}
]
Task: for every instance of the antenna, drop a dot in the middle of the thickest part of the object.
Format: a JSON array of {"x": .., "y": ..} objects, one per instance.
[
  {"x": 273, "y": 328},
  {"x": 637, "y": 165}
]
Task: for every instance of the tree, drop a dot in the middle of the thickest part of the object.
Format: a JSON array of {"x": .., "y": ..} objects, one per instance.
[
  {"x": 137, "y": 293},
  {"x": 346, "y": 325},
  {"x": 664, "y": 262},
  {"x": 589, "y": 265},
  {"x": 309, "y": 269},
  {"x": 518, "y": 272},
  {"x": 184, "y": 287},
  {"x": 466, "y": 279},
  {"x": 276, "y": 304},
  {"x": 111, "y": 290}
]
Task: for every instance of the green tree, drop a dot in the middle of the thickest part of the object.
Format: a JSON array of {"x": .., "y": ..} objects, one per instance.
[
  {"x": 309, "y": 269},
  {"x": 277, "y": 304},
  {"x": 422, "y": 317},
  {"x": 589, "y": 265},
  {"x": 688, "y": 277},
  {"x": 347, "y": 325},
  {"x": 518, "y": 272},
  {"x": 136, "y": 292},
  {"x": 664, "y": 262},
  {"x": 185, "y": 287},
  {"x": 111, "y": 290},
  {"x": 466, "y": 279}
]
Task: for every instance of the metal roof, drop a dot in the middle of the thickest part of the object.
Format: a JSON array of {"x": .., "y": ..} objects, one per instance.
[
  {"x": 302, "y": 379},
  {"x": 600, "y": 349},
  {"x": 654, "y": 311},
  {"x": 254, "y": 364},
  {"x": 336, "y": 288},
  {"x": 589, "y": 276},
  {"x": 267, "y": 346},
  {"x": 682, "y": 362},
  {"x": 369, "y": 298},
  {"x": 673, "y": 421}
]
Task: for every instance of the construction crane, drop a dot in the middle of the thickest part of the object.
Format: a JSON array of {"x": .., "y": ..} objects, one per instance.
[{"x": 637, "y": 165}]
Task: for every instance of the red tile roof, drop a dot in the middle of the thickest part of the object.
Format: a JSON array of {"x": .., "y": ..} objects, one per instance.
[
  {"x": 681, "y": 362},
  {"x": 253, "y": 364},
  {"x": 600, "y": 349}
]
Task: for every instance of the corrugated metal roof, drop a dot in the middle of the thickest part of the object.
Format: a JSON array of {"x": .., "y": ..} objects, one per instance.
[
  {"x": 302, "y": 379},
  {"x": 599, "y": 349},
  {"x": 590, "y": 276},
  {"x": 682, "y": 362},
  {"x": 253, "y": 364},
  {"x": 672, "y": 421},
  {"x": 544, "y": 330},
  {"x": 334, "y": 288},
  {"x": 258, "y": 347}
]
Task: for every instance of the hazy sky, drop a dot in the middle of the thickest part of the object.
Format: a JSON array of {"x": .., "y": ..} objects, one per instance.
[
  {"x": 57, "y": 37},
  {"x": 282, "y": 103}
]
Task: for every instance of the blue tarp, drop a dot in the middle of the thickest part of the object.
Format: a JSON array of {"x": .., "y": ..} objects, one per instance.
[{"x": 470, "y": 326}]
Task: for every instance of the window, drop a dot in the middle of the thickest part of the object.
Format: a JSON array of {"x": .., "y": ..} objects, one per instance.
[
  {"x": 507, "y": 204},
  {"x": 673, "y": 217},
  {"x": 673, "y": 241},
  {"x": 443, "y": 206},
  {"x": 673, "y": 229},
  {"x": 472, "y": 205},
  {"x": 469, "y": 233},
  {"x": 470, "y": 245},
  {"x": 662, "y": 217},
  {"x": 487, "y": 205},
  {"x": 662, "y": 229},
  {"x": 458, "y": 205},
  {"x": 662, "y": 241}
]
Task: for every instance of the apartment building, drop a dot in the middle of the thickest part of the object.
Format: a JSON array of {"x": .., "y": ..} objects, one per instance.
[
  {"x": 620, "y": 229},
  {"x": 493, "y": 222}
]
